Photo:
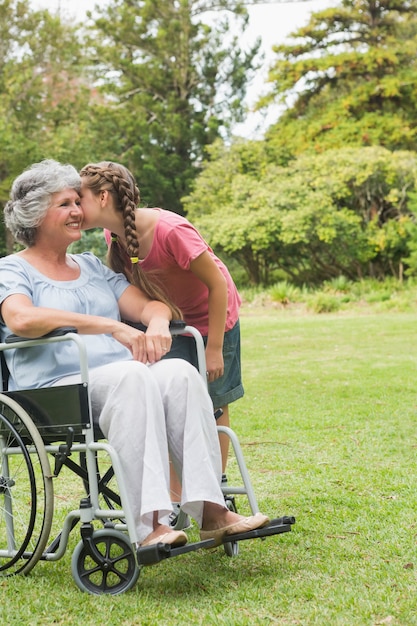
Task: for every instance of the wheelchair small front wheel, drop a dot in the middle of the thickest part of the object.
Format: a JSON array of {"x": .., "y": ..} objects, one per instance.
[
  {"x": 114, "y": 572},
  {"x": 231, "y": 548}
]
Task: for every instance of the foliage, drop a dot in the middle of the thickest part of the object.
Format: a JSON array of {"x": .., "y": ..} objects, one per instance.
[
  {"x": 176, "y": 81},
  {"x": 337, "y": 295},
  {"x": 284, "y": 292},
  {"x": 157, "y": 85},
  {"x": 40, "y": 88},
  {"x": 43, "y": 96},
  {"x": 93, "y": 241},
  {"x": 348, "y": 78},
  {"x": 152, "y": 85},
  {"x": 343, "y": 212}
]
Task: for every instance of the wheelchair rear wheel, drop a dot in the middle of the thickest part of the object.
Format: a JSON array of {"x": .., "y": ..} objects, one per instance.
[{"x": 26, "y": 491}]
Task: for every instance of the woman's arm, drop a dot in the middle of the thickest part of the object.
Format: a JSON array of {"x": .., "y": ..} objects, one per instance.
[{"x": 26, "y": 320}]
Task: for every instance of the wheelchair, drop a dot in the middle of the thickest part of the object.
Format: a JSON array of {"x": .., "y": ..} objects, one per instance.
[{"x": 40, "y": 432}]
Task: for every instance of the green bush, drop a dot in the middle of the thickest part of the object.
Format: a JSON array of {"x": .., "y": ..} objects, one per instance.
[
  {"x": 340, "y": 284},
  {"x": 284, "y": 293},
  {"x": 324, "y": 303}
]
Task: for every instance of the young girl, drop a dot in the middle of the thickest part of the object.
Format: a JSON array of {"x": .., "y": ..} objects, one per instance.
[{"x": 168, "y": 249}]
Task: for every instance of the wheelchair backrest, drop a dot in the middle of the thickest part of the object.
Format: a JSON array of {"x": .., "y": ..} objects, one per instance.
[
  {"x": 4, "y": 372},
  {"x": 52, "y": 409},
  {"x": 55, "y": 410}
]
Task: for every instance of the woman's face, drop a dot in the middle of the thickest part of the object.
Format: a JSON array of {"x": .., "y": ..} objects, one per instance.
[{"x": 62, "y": 222}]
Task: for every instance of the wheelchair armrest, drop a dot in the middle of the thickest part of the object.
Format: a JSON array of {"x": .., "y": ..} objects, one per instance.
[
  {"x": 58, "y": 332},
  {"x": 173, "y": 325},
  {"x": 177, "y": 325},
  {"x": 63, "y": 333}
]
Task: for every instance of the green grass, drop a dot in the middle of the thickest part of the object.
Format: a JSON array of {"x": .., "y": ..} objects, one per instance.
[{"x": 328, "y": 429}]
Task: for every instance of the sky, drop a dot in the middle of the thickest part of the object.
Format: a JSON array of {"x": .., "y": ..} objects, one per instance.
[{"x": 272, "y": 21}]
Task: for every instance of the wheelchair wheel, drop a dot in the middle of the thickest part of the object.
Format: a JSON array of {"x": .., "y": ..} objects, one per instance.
[
  {"x": 113, "y": 569},
  {"x": 26, "y": 491},
  {"x": 231, "y": 548}
]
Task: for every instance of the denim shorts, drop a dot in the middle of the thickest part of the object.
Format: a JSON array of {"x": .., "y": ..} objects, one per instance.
[{"x": 228, "y": 387}]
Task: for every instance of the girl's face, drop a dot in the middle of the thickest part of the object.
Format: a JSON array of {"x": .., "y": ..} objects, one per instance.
[{"x": 91, "y": 206}]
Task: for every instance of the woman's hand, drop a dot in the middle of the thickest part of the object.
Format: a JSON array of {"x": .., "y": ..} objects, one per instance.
[
  {"x": 133, "y": 339},
  {"x": 146, "y": 347}
]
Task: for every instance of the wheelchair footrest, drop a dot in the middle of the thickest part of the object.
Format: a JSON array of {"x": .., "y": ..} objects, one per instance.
[
  {"x": 150, "y": 555},
  {"x": 275, "y": 527}
]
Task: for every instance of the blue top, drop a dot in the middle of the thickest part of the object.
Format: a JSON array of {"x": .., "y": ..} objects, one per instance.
[{"x": 95, "y": 292}]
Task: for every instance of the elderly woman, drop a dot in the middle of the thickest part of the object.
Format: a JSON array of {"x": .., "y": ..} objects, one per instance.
[{"x": 148, "y": 408}]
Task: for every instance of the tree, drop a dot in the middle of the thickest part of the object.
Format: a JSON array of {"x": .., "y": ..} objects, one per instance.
[
  {"x": 176, "y": 82},
  {"x": 343, "y": 212},
  {"x": 349, "y": 78},
  {"x": 44, "y": 95}
]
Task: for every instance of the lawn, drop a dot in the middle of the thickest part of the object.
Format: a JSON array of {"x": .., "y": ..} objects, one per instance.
[{"x": 327, "y": 426}]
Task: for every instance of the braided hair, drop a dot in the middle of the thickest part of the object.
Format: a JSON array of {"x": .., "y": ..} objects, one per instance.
[{"x": 120, "y": 183}]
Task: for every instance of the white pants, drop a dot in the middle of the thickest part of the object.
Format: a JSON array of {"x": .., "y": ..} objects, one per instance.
[{"x": 148, "y": 412}]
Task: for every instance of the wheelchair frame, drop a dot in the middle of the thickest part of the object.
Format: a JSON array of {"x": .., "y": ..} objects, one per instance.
[{"x": 105, "y": 560}]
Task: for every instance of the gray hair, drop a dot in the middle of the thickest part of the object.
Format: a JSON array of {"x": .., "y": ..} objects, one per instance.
[{"x": 30, "y": 197}]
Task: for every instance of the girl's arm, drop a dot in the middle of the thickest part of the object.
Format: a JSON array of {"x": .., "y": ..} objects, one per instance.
[
  {"x": 136, "y": 307},
  {"x": 205, "y": 268}
]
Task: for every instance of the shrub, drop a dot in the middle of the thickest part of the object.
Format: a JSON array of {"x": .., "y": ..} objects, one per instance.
[
  {"x": 324, "y": 303},
  {"x": 284, "y": 292}
]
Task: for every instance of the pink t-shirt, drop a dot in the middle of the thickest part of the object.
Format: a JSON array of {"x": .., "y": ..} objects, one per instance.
[{"x": 175, "y": 244}]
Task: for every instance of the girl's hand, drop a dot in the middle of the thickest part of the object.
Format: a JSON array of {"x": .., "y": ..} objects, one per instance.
[
  {"x": 214, "y": 364},
  {"x": 158, "y": 339}
]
